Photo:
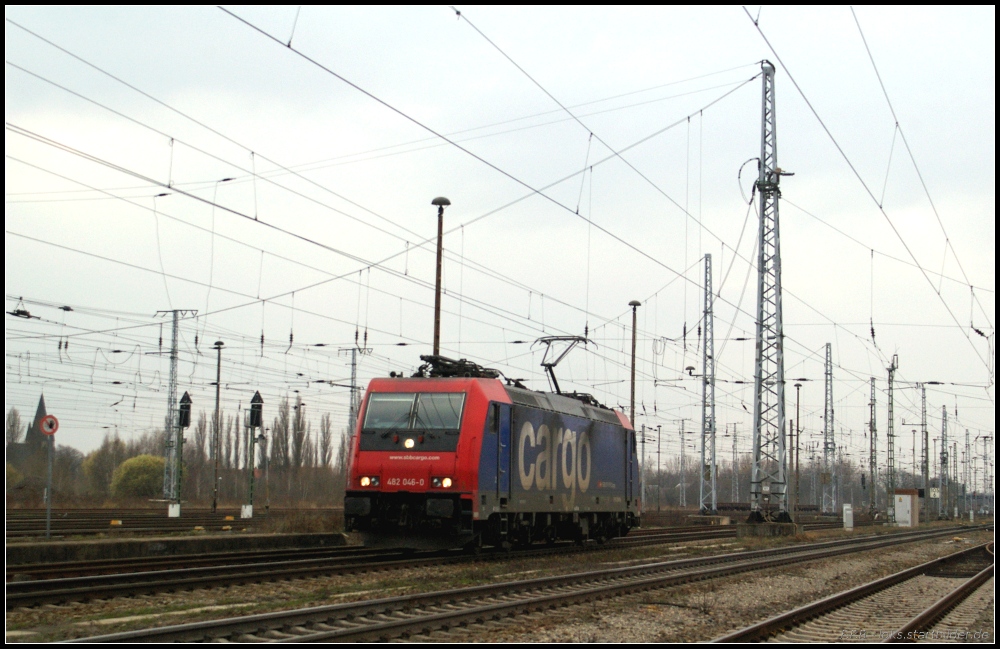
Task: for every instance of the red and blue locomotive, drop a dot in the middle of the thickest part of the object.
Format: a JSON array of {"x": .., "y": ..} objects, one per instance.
[{"x": 456, "y": 455}]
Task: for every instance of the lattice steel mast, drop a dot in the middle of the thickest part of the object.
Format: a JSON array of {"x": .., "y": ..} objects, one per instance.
[
  {"x": 768, "y": 482},
  {"x": 965, "y": 470},
  {"x": 943, "y": 480},
  {"x": 872, "y": 457},
  {"x": 890, "y": 471},
  {"x": 683, "y": 495},
  {"x": 829, "y": 445},
  {"x": 706, "y": 491},
  {"x": 170, "y": 465},
  {"x": 925, "y": 451}
]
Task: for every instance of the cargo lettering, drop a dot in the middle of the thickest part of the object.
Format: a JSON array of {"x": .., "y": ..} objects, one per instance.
[{"x": 563, "y": 460}]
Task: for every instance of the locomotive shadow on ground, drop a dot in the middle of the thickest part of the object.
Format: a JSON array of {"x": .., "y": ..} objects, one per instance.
[{"x": 414, "y": 541}]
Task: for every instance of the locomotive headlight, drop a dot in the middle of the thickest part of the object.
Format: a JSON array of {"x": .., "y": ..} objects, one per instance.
[
  {"x": 408, "y": 443},
  {"x": 366, "y": 481},
  {"x": 441, "y": 482},
  {"x": 446, "y": 483}
]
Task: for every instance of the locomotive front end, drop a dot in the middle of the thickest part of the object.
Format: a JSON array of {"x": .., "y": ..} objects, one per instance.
[{"x": 406, "y": 479}]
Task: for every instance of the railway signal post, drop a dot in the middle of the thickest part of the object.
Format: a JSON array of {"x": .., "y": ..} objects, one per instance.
[{"x": 49, "y": 425}]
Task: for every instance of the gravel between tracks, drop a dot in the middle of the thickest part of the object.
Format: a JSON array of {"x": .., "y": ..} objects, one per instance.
[
  {"x": 703, "y": 611},
  {"x": 693, "y": 613}
]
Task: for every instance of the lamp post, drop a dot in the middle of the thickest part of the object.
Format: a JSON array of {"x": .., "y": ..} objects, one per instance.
[
  {"x": 441, "y": 202},
  {"x": 215, "y": 439},
  {"x": 634, "y": 304}
]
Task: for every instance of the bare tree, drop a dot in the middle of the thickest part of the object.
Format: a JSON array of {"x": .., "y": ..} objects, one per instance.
[
  {"x": 195, "y": 454},
  {"x": 298, "y": 434},
  {"x": 227, "y": 442},
  {"x": 14, "y": 426},
  {"x": 325, "y": 440},
  {"x": 100, "y": 465}
]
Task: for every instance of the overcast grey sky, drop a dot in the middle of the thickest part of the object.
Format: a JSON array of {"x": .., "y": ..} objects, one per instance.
[{"x": 335, "y": 145}]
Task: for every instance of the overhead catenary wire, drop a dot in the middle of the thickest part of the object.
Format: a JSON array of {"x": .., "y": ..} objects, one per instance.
[{"x": 868, "y": 190}]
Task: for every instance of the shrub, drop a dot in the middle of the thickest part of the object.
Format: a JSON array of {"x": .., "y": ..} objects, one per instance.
[{"x": 139, "y": 477}]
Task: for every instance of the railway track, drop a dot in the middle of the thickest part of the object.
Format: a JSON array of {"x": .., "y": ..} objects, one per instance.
[
  {"x": 410, "y": 615},
  {"x": 901, "y": 607},
  {"x": 25, "y": 524},
  {"x": 38, "y": 584}
]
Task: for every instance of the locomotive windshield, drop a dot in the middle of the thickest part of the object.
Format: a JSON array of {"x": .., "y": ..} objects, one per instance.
[{"x": 430, "y": 420}]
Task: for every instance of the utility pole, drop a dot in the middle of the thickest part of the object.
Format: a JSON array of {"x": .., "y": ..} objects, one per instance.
[
  {"x": 829, "y": 445},
  {"x": 644, "y": 467},
  {"x": 797, "y": 437},
  {"x": 659, "y": 473},
  {"x": 966, "y": 474},
  {"x": 707, "y": 475},
  {"x": 768, "y": 482},
  {"x": 631, "y": 413},
  {"x": 954, "y": 472},
  {"x": 683, "y": 495},
  {"x": 440, "y": 202},
  {"x": 987, "y": 478},
  {"x": 736, "y": 469},
  {"x": 891, "y": 446},
  {"x": 216, "y": 447},
  {"x": 355, "y": 390},
  {"x": 872, "y": 457},
  {"x": 943, "y": 482},
  {"x": 924, "y": 451}
]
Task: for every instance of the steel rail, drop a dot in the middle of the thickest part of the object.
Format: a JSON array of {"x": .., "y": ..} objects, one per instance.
[
  {"x": 796, "y": 617},
  {"x": 37, "y": 584},
  {"x": 933, "y": 614},
  {"x": 100, "y": 584},
  {"x": 399, "y": 616}
]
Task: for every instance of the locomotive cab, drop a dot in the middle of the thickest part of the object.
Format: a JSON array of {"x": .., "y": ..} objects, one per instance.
[{"x": 407, "y": 476}]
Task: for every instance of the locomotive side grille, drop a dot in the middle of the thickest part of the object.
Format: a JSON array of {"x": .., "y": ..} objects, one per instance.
[
  {"x": 559, "y": 403},
  {"x": 607, "y": 416},
  {"x": 527, "y": 399}
]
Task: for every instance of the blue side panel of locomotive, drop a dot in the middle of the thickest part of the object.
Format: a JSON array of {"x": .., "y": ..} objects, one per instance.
[
  {"x": 537, "y": 459},
  {"x": 563, "y": 463}
]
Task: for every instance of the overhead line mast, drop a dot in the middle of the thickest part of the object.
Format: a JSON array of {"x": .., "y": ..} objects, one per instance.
[
  {"x": 172, "y": 447},
  {"x": 829, "y": 444},
  {"x": 890, "y": 482},
  {"x": 768, "y": 483},
  {"x": 707, "y": 475},
  {"x": 872, "y": 448}
]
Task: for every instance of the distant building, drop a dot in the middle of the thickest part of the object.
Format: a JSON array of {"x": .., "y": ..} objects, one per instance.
[{"x": 29, "y": 456}]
